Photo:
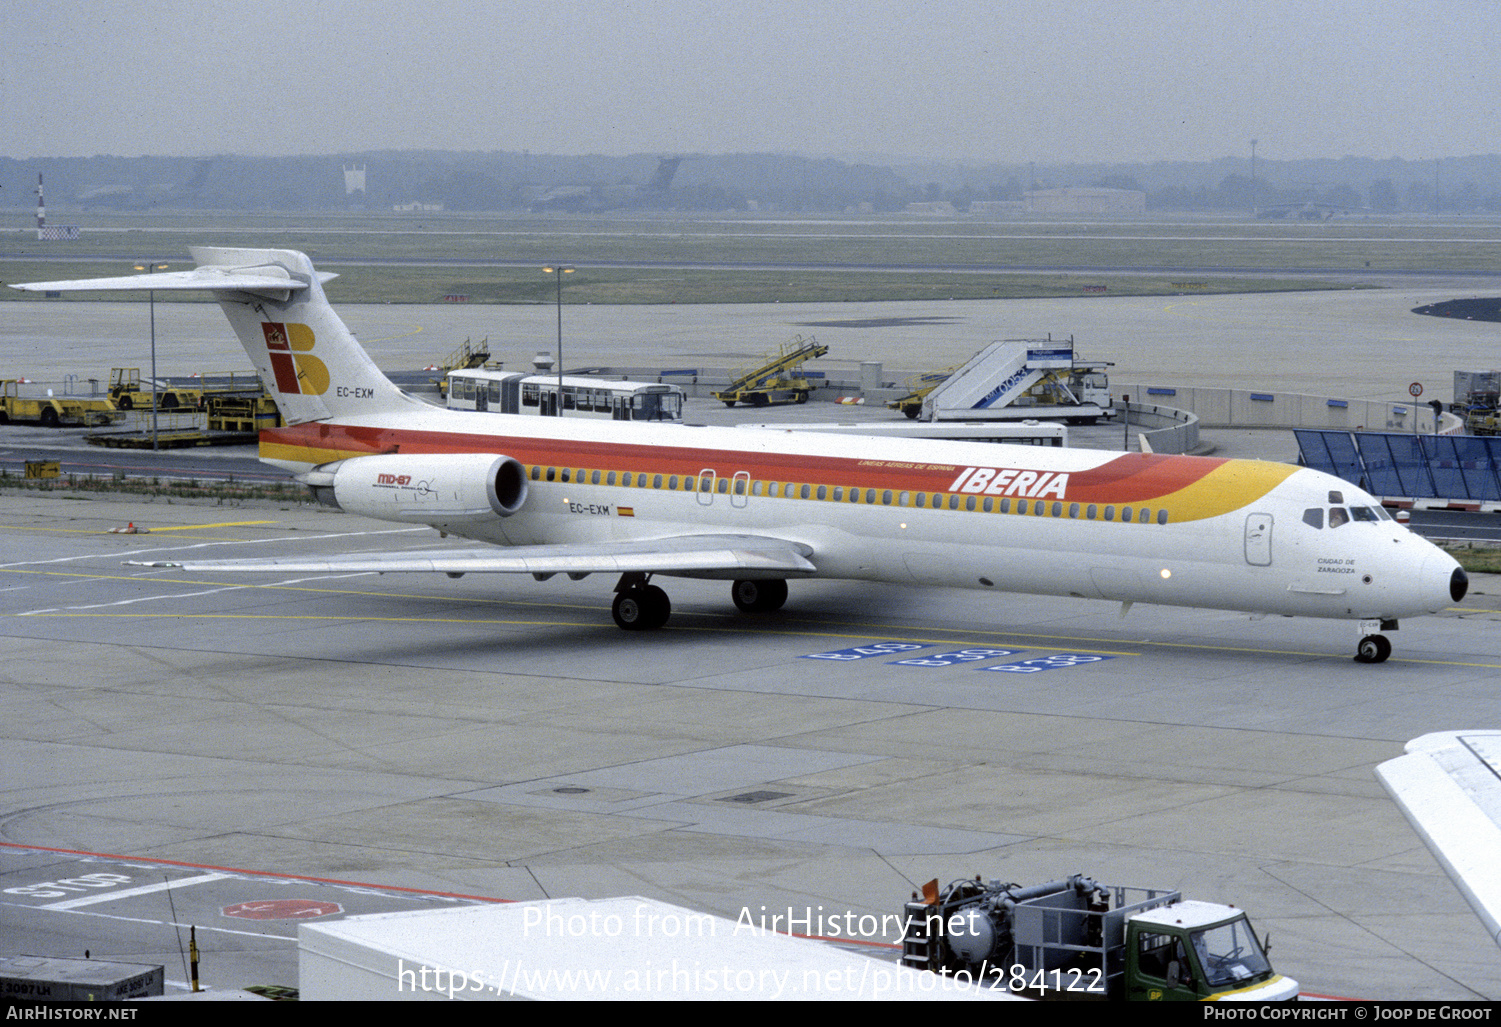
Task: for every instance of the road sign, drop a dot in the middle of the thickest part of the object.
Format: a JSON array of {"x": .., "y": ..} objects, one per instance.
[{"x": 1415, "y": 390}]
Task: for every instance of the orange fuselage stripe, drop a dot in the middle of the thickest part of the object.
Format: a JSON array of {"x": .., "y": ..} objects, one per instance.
[{"x": 1193, "y": 487}]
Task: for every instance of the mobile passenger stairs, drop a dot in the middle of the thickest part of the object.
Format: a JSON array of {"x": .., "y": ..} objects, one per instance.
[
  {"x": 1018, "y": 379},
  {"x": 776, "y": 381},
  {"x": 470, "y": 356}
]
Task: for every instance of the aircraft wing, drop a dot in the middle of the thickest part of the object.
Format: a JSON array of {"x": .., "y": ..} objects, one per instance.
[
  {"x": 1449, "y": 785},
  {"x": 708, "y": 556}
]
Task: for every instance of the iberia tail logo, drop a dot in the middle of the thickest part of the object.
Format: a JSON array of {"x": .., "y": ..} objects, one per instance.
[{"x": 297, "y": 371}]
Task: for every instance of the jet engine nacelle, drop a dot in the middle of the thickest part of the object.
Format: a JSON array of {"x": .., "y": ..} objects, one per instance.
[{"x": 424, "y": 489}]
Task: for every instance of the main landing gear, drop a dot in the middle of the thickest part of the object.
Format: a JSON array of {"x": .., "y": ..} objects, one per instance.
[
  {"x": 759, "y": 596},
  {"x": 1374, "y": 648},
  {"x": 640, "y": 606}
]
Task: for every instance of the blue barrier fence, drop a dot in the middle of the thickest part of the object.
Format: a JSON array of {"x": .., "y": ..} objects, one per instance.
[{"x": 1399, "y": 464}]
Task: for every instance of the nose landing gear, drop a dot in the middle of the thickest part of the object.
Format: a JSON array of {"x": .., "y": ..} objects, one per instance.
[{"x": 1373, "y": 647}]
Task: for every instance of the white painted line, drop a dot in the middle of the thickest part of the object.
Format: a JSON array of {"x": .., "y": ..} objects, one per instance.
[
  {"x": 159, "y": 923},
  {"x": 128, "y": 602},
  {"x": 146, "y": 889},
  {"x": 134, "y": 553}
]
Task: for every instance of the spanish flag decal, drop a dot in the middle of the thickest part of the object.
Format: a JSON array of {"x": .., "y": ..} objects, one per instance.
[
  {"x": 626, "y": 511},
  {"x": 297, "y": 371}
]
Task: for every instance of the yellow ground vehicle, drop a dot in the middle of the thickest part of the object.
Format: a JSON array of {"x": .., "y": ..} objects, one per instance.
[
  {"x": 53, "y": 411},
  {"x": 129, "y": 392},
  {"x": 778, "y": 380}
]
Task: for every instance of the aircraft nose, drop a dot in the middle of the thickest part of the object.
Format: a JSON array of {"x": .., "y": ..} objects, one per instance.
[{"x": 1443, "y": 580}]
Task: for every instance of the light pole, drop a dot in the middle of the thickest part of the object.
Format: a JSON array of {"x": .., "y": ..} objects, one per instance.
[
  {"x": 1254, "y": 197},
  {"x": 558, "y": 271},
  {"x": 151, "y": 267}
]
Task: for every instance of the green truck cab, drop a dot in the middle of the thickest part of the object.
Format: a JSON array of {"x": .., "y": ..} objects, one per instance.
[{"x": 1078, "y": 939}]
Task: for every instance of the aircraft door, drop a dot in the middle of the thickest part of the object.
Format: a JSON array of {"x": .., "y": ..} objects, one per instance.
[
  {"x": 740, "y": 489},
  {"x": 706, "y": 487},
  {"x": 1259, "y": 539}
]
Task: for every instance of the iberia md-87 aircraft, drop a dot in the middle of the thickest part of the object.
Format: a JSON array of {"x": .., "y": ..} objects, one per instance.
[{"x": 641, "y": 500}]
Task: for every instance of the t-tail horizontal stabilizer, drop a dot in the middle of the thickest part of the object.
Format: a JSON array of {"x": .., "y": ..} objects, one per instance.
[{"x": 304, "y": 353}]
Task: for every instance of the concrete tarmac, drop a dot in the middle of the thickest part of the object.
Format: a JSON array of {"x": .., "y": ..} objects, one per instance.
[{"x": 499, "y": 737}]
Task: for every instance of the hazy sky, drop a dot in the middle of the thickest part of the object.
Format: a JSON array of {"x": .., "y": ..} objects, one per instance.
[{"x": 1007, "y": 80}]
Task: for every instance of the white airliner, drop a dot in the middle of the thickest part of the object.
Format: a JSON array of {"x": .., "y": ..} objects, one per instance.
[{"x": 577, "y": 497}]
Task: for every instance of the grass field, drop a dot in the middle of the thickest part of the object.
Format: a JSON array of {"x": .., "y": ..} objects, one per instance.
[{"x": 737, "y": 259}]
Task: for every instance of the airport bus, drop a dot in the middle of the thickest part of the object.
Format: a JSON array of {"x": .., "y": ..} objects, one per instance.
[{"x": 513, "y": 392}]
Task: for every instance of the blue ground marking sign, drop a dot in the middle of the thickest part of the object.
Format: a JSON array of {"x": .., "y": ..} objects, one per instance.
[
  {"x": 1055, "y": 662},
  {"x": 865, "y": 652},
  {"x": 949, "y": 659}
]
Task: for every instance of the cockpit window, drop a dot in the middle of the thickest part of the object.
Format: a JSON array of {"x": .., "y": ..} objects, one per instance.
[
  {"x": 1364, "y": 513},
  {"x": 1338, "y": 516},
  {"x": 1336, "y": 498},
  {"x": 1314, "y": 517}
]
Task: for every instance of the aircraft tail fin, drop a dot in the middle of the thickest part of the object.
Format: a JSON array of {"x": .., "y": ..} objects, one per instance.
[
  {"x": 667, "y": 167},
  {"x": 308, "y": 359}
]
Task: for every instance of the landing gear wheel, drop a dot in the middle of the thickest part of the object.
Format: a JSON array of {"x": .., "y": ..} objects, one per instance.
[
  {"x": 759, "y": 596},
  {"x": 1373, "y": 649},
  {"x": 644, "y": 608}
]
